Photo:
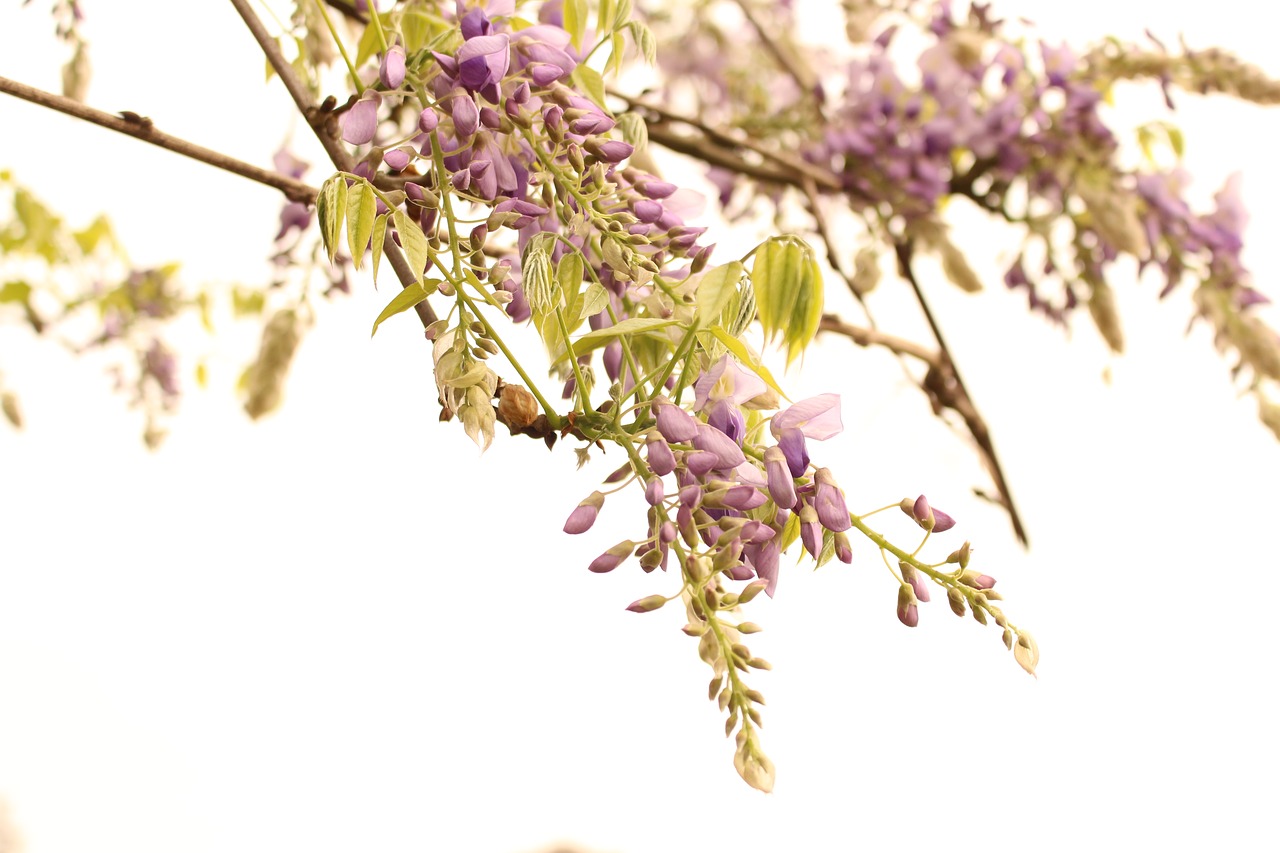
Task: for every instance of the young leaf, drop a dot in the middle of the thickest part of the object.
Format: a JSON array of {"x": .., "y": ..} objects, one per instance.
[
  {"x": 379, "y": 234},
  {"x": 592, "y": 84},
  {"x": 361, "y": 210},
  {"x": 632, "y": 326},
  {"x": 575, "y": 20},
  {"x": 413, "y": 241},
  {"x": 406, "y": 299},
  {"x": 717, "y": 287}
]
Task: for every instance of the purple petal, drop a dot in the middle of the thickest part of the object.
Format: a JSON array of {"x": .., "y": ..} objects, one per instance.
[
  {"x": 712, "y": 440},
  {"x": 391, "y": 70},
  {"x": 817, "y": 417}
]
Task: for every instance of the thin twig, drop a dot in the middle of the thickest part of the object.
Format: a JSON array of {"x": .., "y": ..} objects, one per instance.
[
  {"x": 140, "y": 127},
  {"x": 947, "y": 391},
  {"x": 803, "y": 77}
]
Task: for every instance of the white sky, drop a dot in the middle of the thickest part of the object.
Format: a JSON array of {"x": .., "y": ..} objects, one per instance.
[{"x": 344, "y": 629}]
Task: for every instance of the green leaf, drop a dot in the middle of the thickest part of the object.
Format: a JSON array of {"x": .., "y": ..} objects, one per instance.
[
  {"x": 594, "y": 301},
  {"x": 379, "y": 234},
  {"x": 617, "y": 52},
  {"x": 15, "y": 291},
  {"x": 643, "y": 37},
  {"x": 715, "y": 289},
  {"x": 632, "y": 326},
  {"x": 592, "y": 84},
  {"x": 412, "y": 240},
  {"x": 744, "y": 357},
  {"x": 361, "y": 210},
  {"x": 622, "y": 15},
  {"x": 575, "y": 20},
  {"x": 331, "y": 209},
  {"x": 369, "y": 43},
  {"x": 569, "y": 277},
  {"x": 97, "y": 231},
  {"x": 605, "y": 18},
  {"x": 406, "y": 299}
]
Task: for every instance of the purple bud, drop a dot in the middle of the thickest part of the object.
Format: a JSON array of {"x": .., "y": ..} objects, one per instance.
[
  {"x": 691, "y": 496},
  {"x": 653, "y": 492},
  {"x": 829, "y": 502},
  {"x": 611, "y": 559},
  {"x": 391, "y": 71},
  {"x": 667, "y": 533},
  {"x": 661, "y": 459},
  {"x": 584, "y": 515},
  {"x": 740, "y": 573},
  {"x": 396, "y": 159},
  {"x": 647, "y": 604},
  {"x": 701, "y": 462},
  {"x": 361, "y": 121},
  {"x": 765, "y": 561},
  {"x": 674, "y": 423},
  {"x": 609, "y": 150},
  {"x": 782, "y": 486},
  {"x": 908, "y": 613},
  {"x": 743, "y": 498},
  {"x": 655, "y": 189},
  {"x": 844, "y": 553},
  {"x": 428, "y": 120},
  {"x": 466, "y": 118},
  {"x": 810, "y": 530}
]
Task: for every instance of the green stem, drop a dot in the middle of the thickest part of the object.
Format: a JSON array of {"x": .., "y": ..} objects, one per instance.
[{"x": 333, "y": 31}]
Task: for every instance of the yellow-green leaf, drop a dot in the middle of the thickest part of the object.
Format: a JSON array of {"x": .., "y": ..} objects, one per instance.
[
  {"x": 406, "y": 299},
  {"x": 591, "y": 84},
  {"x": 361, "y": 210},
  {"x": 413, "y": 241},
  {"x": 744, "y": 357},
  {"x": 379, "y": 234},
  {"x": 715, "y": 289},
  {"x": 575, "y": 20}
]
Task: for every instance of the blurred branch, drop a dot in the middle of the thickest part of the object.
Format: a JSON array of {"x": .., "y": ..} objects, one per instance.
[{"x": 140, "y": 127}]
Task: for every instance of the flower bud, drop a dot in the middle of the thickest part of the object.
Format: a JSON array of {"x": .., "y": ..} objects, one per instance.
[
  {"x": 908, "y": 613},
  {"x": 782, "y": 486},
  {"x": 675, "y": 424},
  {"x": 584, "y": 515},
  {"x": 653, "y": 492},
  {"x": 611, "y": 559},
  {"x": 647, "y": 604},
  {"x": 844, "y": 553},
  {"x": 661, "y": 459},
  {"x": 955, "y": 598},
  {"x": 391, "y": 69},
  {"x": 976, "y": 581},
  {"x": 428, "y": 120},
  {"x": 810, "y": 530}
]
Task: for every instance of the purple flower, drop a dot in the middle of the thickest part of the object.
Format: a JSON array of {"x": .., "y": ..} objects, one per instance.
[
  {"x": 653, "y": 492},
  {"x": 584, "y": 515},
  {"x": 391, "y": 70},
  {"x": 293, "y": 215},
  {"x": 712, "y": 440},
  {"x": 810, "y": 530},
  {"x": 483, "y": 61},
  {"x": 929, "y": 519},
  {"x": 726, "y": 381},
  {"x": 361, "y": 121},
  {"x": 727, "y": 418},
  {"x": 908, "y": 612}
]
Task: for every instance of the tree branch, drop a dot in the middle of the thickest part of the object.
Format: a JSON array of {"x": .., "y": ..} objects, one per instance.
[
  {"x": 872, "y": 337},
  {"x": 140, "y": 127},
  {"x": 946, "y": 390}
]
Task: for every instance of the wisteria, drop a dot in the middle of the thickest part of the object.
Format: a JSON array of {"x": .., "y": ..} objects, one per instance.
[{"x": 484, "y": 156}]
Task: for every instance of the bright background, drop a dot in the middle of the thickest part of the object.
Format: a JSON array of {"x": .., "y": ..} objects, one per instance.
[{"x": 344, "y": 629}]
